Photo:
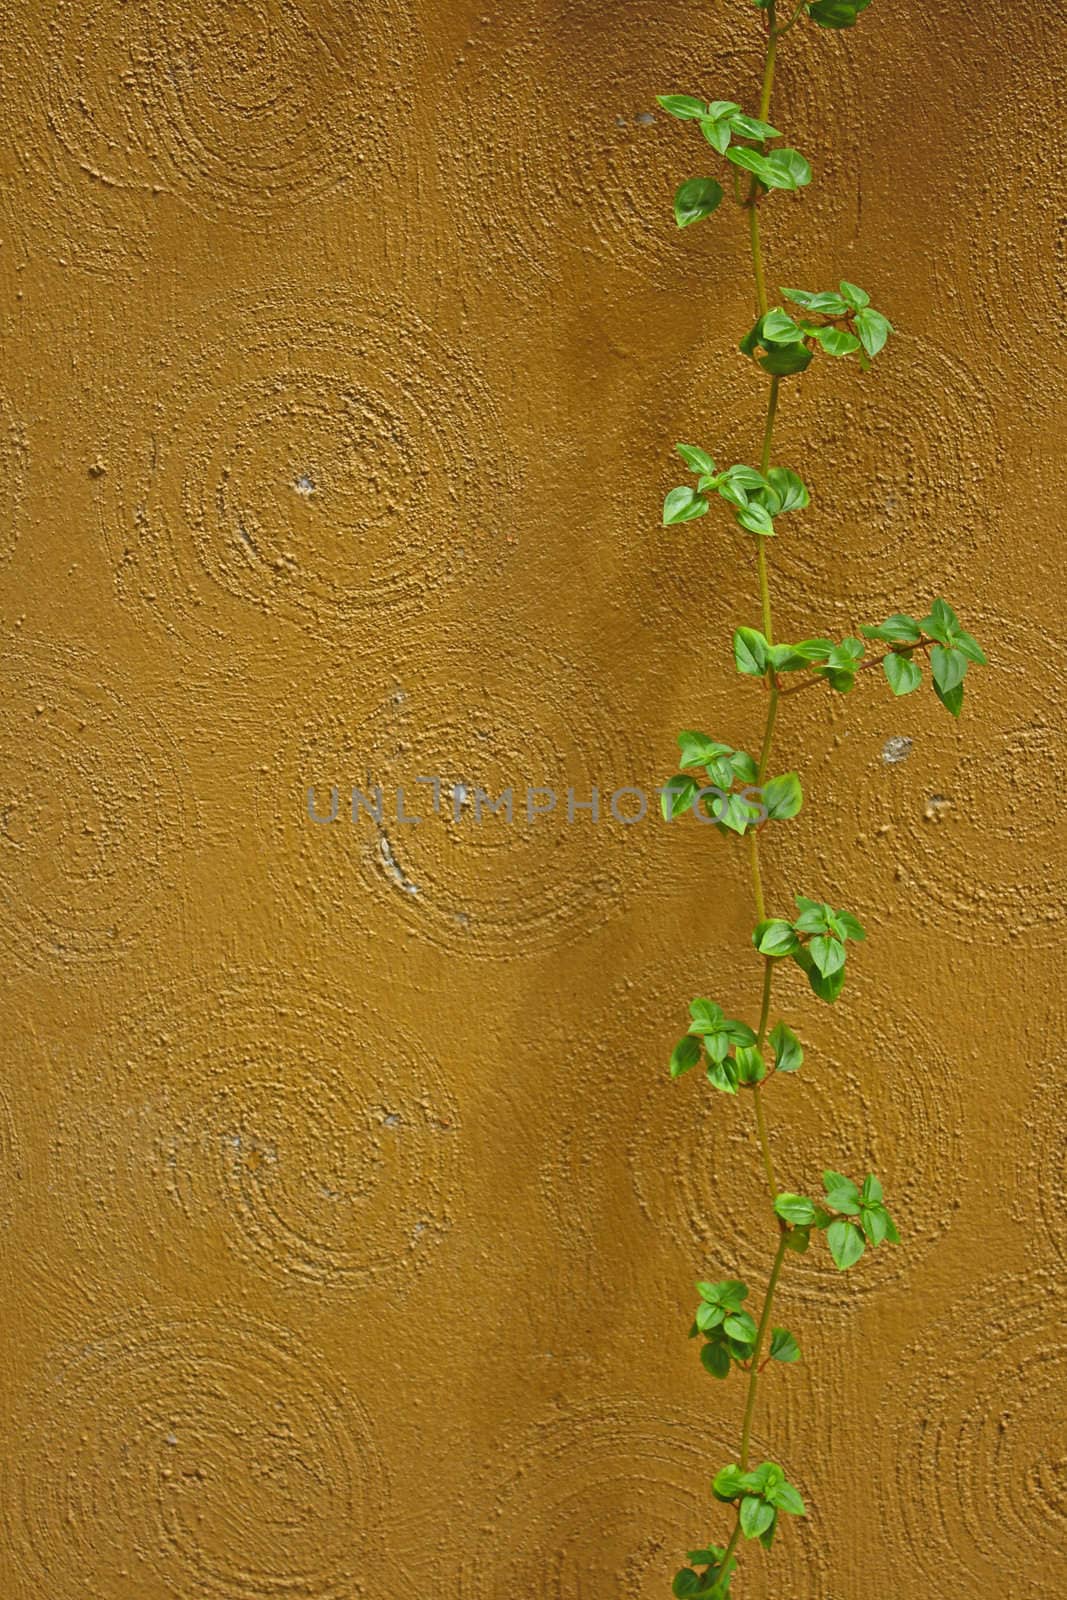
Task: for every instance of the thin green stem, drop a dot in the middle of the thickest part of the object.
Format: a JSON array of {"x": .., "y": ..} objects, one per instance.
[
  {"x": 757, "y": 253},
  {"x": 780, "y": 33},
  {"x": 757, "y": 879},
  {"x": 764, "y": 1144},
  {"x": 761, "y": 1334},
  {"x": 768, "y": 732},
  {"x": 765, "y": 1008},
  {"x": 768, "y": 64}
]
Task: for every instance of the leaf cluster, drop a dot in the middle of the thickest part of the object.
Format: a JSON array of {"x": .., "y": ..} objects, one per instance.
[
  {"x": 732, "y": 797},
  {"x": 952, "y": 653},
  {"x": 952, "y": 649},
  {"x": 755, "y": 498},
  {"x": 743, "y": 141},
  {"x": 851, "y": 1217},
  {"x": 760, "y": 1496},
  {"x": 839, "y": 324},
  {"x": 711, "y": 1584},
  {"x": 815, "y": 940},
  {"x": 730, "y": 1051}
]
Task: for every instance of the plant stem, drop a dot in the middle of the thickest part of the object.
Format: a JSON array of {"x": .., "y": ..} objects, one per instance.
[
  {"x": 768, "y": 975},
  {"x": 765, "y": 1149},
  {"x": 757, "y": 880},
  {"x": 761, "y": 1333},
  {"x": 768, "y": 732}
]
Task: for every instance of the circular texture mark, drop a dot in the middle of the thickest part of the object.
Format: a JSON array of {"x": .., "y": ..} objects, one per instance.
[
  {"x": 487, "y": 887},
  {"x": 974, "y": 1452},
  {"x": 339, "y": 473},
  {"x": 606, "y": 1502},
  {"x": 91, "y": 813},
  {"x": 223, "y": 1462},
  {"x": 327, "y": 1156},
  {"x": 581, "y": 82}
]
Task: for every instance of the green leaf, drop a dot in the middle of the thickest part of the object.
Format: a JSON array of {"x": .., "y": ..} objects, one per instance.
[
  {"x": 749, "y": 343},
  {"x": 873, "y": 329},
  {"x": 970, "y": 647},
  {"x": 795, "y": 1209},
  {"x": 903, "y": 673},
  {"x": 751, "y": 160},
  {"x": 697, "y": 749},
  {"x": 827, "y": 988},
  {"x": 709, "y": 1317},
  {"x": 756, "y": 519},
  {"x": 797, "y": 1240},
  {"x": 696, "y": 460},
  {"x": 775, "y": 938},
  {"x": 744, "y": 767},
  {"x": 677, "y": 795},
  {"x": 856, "y": 297},
  {"x": 752, "y": 128},
  {"x": 788, "y": 1051},
  {"x": 826, "y": 302},
  {"x": 722, "y": 1075},
  {"x": 750, "y": 652},
  {"x": 785, "y": 360},
  {"x": 685, "y": 1054},
  {"x": 814, "y": 915},
  {"x": 942, "y": 623},
  {"x": 850, "y": 927},
  {"x": 842, "y": 1195},
  {"x": 786, "y": 1498},
  {"x": 872, "y": 1189},
  {"x": 727, "y": 1483},
  {"x": 722, "y": 108},
  {"x": 746, "y": 478},
  {"x": 717, "y": 132},
  {"x": 782, "y": 797},
  {"x": 951, "y": 699},
  {"x": 739, "y": 1032},
  {"x": 685, "y": 1584},
  {"x": 716, "y": 1359},
  {"x": 827, "y": 954},
  {"x": 756, "y": 1516},
  {"x": 695, "y": 199},
  {"x": 727, "y": 1292},
  {"x": 837, "y": 341},
  {"x": 779, "y": 327},
  {"x": 949, "y": 667},
  {"x": 875, "y": 1223},
  {"x": 740, "y": 1326},
  {"x": 836, "y": 13},
  {"x": 751, "y": 1067},
  {"x": 788, "y": 169},
  {"x": 783, "y": 1346},
  {"x": 682, "y": 106},
  {"x": 897, "y": 629},
  {"x": 707, "y": 1016},
  {"x": 683, "y": 505},
  {"x": 791, "y": 492},
  {"x": 846, "y": 1243}
]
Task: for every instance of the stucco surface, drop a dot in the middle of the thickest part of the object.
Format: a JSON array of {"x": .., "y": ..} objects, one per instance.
[{"x": 349, "y": 1221}]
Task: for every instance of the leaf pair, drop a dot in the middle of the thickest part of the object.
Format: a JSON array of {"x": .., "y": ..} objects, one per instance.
[{"x": 760, "y": 1495}]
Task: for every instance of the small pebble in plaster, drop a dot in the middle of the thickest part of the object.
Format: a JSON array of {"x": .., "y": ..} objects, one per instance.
[
  {"x": 896, "y": 749},
  {"x": 304, "y": 485},
  {"x": 391, "y": 1119},
  {"x": 97, "y": 468},
  {"x": 935, "y": 808},
  {"x": 645, "y": 118}
]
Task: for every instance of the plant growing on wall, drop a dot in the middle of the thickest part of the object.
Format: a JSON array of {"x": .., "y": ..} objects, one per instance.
[{"x": 741, "y": 794}]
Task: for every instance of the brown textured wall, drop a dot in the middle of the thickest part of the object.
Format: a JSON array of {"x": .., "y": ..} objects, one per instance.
[{"x": 349, "y": 1221}]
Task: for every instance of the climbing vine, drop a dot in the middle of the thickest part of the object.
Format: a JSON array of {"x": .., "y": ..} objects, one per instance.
[{"x": 733, "y": 789}]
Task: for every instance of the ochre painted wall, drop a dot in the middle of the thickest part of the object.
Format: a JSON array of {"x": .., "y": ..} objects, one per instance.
[{"x": 349, "y": 1220}]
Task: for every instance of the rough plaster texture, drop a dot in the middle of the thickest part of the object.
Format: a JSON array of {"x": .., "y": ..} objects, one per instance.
[{"x": 349, "y": 1222}]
